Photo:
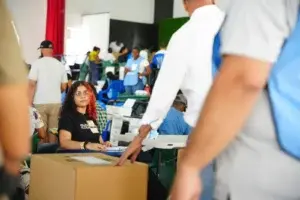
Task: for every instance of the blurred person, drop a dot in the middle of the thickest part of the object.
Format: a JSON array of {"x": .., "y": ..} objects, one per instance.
[
  {"x": 14, "y": 126},
  {"x": 78, "y": 121},
  {"x": 84, "y": 68},
  {"x": 237, "y": 121},
  {"x": 189, "y": 71},
  {"x": 109, "y": 56},
  {"x": 156, "y": 63},
  {"x": 136, "y": 69},
  {"x": 94, "y": 61},
  {"x": 124, "y": 54},
  {"x": 174, "y": 123},
  {"x": 47, "y": 81}
]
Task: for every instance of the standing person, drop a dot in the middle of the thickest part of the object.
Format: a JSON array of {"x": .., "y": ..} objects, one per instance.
[
  {"x": 238, "y": 112},
  {"x": 14, "y": 126},
  {"x": 47, "y": 81},
  {"x": 137, "y": 68},
  {"x": 156, "y": 64},
  {"x": 94, "y": 63},
  {"x": 84, "y": 68},
  {"x": 190, "y": 72}
]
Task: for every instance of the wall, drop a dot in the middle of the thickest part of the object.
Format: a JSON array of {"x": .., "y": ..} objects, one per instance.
[
  {"x": 30, "y": 20},
  {"x": 178, "y": 9},
  {"x": 141, "y": 11},
  {"x": 163, "y": 10},
  {"x": 136, "y": 34}
]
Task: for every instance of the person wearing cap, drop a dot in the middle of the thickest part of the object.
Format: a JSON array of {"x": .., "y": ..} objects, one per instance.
[
  {"x": 174, "y": 123},
  {"x": 14, "y": 126},
  {"x": 47, "y": 81},
  {"x": 190, "y": 71}
]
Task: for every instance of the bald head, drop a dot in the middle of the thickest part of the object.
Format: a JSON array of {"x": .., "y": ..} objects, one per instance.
[{"x": 191, "y": 5}]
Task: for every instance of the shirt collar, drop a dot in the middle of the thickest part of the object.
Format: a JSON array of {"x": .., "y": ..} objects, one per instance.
[{"x": 208, "y": 10}]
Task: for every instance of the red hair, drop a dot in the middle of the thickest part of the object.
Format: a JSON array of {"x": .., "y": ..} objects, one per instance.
[{"x": 91, "y": 108}]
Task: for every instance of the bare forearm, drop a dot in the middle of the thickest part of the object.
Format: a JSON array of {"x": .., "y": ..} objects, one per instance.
[
  {"x": 227, "y": 107},
  {"x": 14, "y": 125},
  {"x": 31, "y": 91},
  {"x": 71, "y": 145}
]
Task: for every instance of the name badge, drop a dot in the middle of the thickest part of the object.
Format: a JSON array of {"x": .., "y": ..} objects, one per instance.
[
  {"x": 94, "y": 130},
  {"x": 134, "y": 67},
  {"x": 91, "y": 123}
]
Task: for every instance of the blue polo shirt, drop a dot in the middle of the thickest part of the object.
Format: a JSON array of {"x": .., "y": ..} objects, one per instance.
[
  {"x": 174, "y": 124},
  {"x": 158, "y": 58},
  {"x": 131, "y": 78}
]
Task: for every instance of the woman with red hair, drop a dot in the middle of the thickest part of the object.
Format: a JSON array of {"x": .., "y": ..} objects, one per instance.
[{"x": 77, "y": 125}]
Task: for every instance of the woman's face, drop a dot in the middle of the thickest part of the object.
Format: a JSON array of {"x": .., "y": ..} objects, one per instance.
[{"x": 82, "y": 97}]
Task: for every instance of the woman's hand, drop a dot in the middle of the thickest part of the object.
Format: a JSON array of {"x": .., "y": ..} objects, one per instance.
[
  {"x": 95, "y": 147},
  {"x": 107, "y": 144}
]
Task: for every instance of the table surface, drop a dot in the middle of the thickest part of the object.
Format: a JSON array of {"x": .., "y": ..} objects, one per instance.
[{"x": 162, "y": 141}]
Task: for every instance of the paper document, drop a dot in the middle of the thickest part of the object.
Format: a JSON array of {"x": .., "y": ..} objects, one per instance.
[{"x": 91, "y": 160}]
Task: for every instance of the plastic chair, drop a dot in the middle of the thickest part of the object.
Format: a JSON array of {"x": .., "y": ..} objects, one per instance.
[
  {"x": 106, "y": 133},
  {"x": 111, "y": 94}
]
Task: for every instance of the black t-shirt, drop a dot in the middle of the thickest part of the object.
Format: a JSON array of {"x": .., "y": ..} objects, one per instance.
[{"x": 82, "y": 128}]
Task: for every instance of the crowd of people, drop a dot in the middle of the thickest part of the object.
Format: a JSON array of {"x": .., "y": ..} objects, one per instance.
[{"x": 239, "y": 114}]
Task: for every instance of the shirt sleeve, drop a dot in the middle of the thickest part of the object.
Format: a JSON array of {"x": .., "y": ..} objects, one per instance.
[
  {"x": 65, "y": 123},
  {"x": 167, "y": 85},
  {"x": 12, "y": 66},
  {"x": 257, "y": 28},
  {"x": 33, "y": 74}
]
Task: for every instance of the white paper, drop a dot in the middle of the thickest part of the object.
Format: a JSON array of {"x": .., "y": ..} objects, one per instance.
[
  {"x": 129, "y": 103},
  {"x": 116, "y": 149},
  {"x": 91, "y": 160}
]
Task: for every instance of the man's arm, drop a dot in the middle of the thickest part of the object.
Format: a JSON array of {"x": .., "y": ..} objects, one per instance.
[
  {"x": 167, "y": 85},
  {"x": 32, "y": 89},
  {"x": 249, "y": 53},
  {"x": 227, "y": 106},
  {"x": 14, "y": 123}
]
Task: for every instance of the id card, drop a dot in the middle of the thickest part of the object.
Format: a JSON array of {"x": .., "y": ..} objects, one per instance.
[
  {"x": 94, "y": 130},
  {"x": 134, "y": 67}
]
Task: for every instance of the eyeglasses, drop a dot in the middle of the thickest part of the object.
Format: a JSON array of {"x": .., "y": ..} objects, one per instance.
[{"x": 82, "y": 94}]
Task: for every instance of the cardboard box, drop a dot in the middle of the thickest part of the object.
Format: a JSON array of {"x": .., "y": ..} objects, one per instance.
[{"x": 86, "y": 177}]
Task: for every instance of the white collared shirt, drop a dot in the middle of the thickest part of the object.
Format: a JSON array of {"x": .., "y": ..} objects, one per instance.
[{"x": 186, "y": 66}]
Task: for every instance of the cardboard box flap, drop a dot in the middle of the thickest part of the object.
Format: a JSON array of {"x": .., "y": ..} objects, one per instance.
[{"x": 84, "y": 160}]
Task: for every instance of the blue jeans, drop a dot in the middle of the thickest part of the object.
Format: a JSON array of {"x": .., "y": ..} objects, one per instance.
[
  {"x": 94, "y": 73},
  {"x": 208, "y": 183},
  {"x": 133, "y": 88}
]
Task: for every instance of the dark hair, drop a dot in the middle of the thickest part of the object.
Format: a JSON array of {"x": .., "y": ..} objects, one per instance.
[
  {"x": 111, "y": 76},
  {"x": 110, "y": 50},
  {"x": 69, "y": 105},
  {"x": 96, "y": 49},
  {"x": 136, "y": 48},
  {"x": 123, "y": 49}
]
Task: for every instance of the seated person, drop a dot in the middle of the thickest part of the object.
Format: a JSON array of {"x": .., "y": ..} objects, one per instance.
[
  {"x": 78, "y": 121},
  {"x": 136, "y": 70},
  {"x": 101, "y": 113},
  {"x": 174, "y": 123}
]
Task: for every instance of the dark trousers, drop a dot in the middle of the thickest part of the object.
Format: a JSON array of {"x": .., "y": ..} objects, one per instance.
[{"x": 94, "y": 73}]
